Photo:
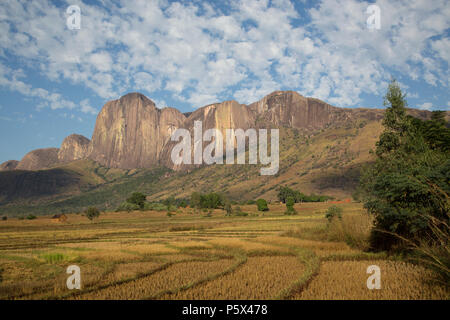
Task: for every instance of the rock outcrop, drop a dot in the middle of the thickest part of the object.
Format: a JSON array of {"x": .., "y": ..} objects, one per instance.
[
  {"x": 130, "y": 132},
  {"x": 9, "y": 165},
  {"x": 39, "y": 159},
  {"x": 290, "y": 109},
  {"x": 74, "y": 147},
  {"x": 222, "y": 116}
]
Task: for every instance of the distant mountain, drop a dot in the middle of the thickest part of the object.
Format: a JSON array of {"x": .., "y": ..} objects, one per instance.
[{"x": 322, "y": 149}]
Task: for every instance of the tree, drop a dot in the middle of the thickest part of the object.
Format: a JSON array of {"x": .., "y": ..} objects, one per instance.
[
  {"x": 92, "y": 212},
  {"x": 284, "y": 192},
  {"x": 290, "y": 206},
  {"x": 196, "y": 199},
  {"x": 228, "y": 208},
  {"x": 138, "y": 199},
  {"x": 169, "y": 202},
  {"x": 332, "y": 212},
  {"x": 409, "y": 179},
  {"x": 211, "y": 201},
  {"x": 262, "y": 205},
  {"x": 182, "y": 203}
]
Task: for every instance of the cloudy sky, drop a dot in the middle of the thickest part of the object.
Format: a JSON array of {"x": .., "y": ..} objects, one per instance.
[{"x": 186, "y": 54}]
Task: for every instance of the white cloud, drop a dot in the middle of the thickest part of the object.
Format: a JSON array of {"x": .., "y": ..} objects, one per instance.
[
  {"x": 86, "y": 107},
  {"x": 255, "y": 47},
  {"x": 425, "y": 106}
]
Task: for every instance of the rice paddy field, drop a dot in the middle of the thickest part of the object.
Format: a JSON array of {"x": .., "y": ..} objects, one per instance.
[{"x": 193, "y": 255}]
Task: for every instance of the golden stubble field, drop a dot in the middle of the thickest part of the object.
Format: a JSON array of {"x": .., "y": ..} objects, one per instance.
[{"x": 148, "y": 255}]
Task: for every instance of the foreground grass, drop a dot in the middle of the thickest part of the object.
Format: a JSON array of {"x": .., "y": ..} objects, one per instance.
[{"x": 147, "y": 255}]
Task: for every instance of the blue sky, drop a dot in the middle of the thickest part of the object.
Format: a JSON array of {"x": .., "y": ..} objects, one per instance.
[{"x": 186, "y": 54}]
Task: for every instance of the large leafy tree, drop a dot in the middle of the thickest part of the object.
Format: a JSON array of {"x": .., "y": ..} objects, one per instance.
[
  {"x": 138, "y": 199},
  {"x": 409, "y": 179}
]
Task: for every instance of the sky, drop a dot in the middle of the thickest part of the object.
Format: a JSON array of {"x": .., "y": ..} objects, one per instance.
[{"x": 54, "y": 79}]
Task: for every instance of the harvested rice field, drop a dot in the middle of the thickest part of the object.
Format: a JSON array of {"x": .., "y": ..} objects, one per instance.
[{"x": 149, "y": 255}]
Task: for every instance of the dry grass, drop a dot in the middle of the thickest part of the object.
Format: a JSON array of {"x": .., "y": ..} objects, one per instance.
[
  {"x": 353, "y": 229},
  {"x": 347, "y": 280},
  {"x": 141, "y": 255},
  {"x": 171, "y": 278},
  {"x": 259, "y": 278}
]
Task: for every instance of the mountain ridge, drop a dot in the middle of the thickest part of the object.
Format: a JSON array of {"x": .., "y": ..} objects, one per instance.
[{"x": 131, "y": 132}]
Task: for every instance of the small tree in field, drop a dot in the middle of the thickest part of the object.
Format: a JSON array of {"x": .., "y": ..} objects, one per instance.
[
  {"x": 228, "y": 208},
  {"x": 290, "y": 201},
  {"x": 92, "y": 213},
  {"x": 262, "y": 205},
  {"x": 332, "y": 212}
]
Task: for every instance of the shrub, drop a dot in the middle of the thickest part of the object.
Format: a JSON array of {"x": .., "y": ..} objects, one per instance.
[
  {"x": 290, "y": 206},
  {"x": 332, "y": 212},
  {"x": 183, "y": 204},
  {"x": 262, "y": 205},
  {"x": 169, "y": 202},
  {"x": 31, "y": 217},
  {"x": 20, "y": 217},
  {"x": 250, "y": 202},
  {"x": 127, "y": 206},
  {"x": 157, "y": 206},
  {"x": 196, "y": 199},
  {"x": 138, "y": 199},
  {"x": 92, "y": 213},
  {"x": 4, "y": 218},
  {"x": 228, "y": 208},
  {"x": 238, "y": 212},
  {"x": 53, "y": 257}
]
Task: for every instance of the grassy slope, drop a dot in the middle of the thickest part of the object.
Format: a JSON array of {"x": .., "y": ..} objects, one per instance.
[{"x": 326, "y": 163}]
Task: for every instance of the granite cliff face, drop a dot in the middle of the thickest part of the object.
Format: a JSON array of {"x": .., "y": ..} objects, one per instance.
[
  {"x": 222, "y": 116},
  {"x": 39, "y": 159},
  {"x": 130, "y": 132},
  {"x": 74, "y": 147},
  {"x": 9, "y": 165},
  {"x": 290, "y": 109}
]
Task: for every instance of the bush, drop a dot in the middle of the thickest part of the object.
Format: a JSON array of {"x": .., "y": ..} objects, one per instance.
[
  {"x": 31, "y": 217},
  {"x": 228, "y": 208},
  {"x": 157, "y": 206},
  {"x": 138, "y": 199},
  {"x": 20, "y": 217},
  {"x": 169, "y": 202},
  {"x": 92, "y": 213},
  {"x": 290, "y": 206},
  {"x": 332, "y": 212},
  {"x": 127, "y": 206},
  {"x": 286, "y": 192},
  {"x": 182, "y": 204},
  {"x": 238, "y": 212},
  {"x": 262, "y": 205},
  {"x": 250, "y": 202},
  {"x": 4, "y": 218},
  {"x": 53, "y": 257}
]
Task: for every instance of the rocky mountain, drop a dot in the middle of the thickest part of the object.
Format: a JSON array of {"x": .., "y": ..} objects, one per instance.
[
  {"x": 39, "y": 159},
  {"x": 322, "y": 150},
  {"x": 9, "y": 165},
  {"x": 131, "y": 132},
  {"x": 74, "y": 147}
]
